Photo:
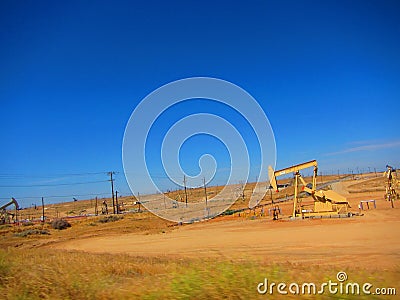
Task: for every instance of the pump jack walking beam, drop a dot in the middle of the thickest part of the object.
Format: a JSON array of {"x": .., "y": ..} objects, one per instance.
[{"x": 293, "y": 169}]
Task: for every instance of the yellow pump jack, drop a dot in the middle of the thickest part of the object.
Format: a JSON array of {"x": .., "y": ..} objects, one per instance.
[
  {"x": 391, "y": 184},
  {"x": 5, "y": 215},
  {"x": 326, "y": 203}
]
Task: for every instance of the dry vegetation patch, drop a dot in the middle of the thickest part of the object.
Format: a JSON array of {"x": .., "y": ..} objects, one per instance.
[{"x": 55, "y": 274}]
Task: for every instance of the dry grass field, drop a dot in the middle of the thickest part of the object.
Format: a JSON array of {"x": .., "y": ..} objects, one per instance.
[{"x": 137, "y": 255}]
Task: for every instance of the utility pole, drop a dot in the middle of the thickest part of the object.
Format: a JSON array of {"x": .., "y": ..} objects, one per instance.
[
  {"x": 95, "y": 208},
  {"x": 116, "y": 201},
  {"x": 112, "y": 189},
  {"x": 205, "y": 188},
  {"x": 42, "y": 210},
  {"x": 184, "y": 183},
  {"x": 375, "y": 172}
]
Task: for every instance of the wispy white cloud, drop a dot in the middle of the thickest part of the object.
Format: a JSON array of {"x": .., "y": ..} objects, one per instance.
[
  {"x": 52, "y": 180},
  {"x": 364, "y": 142},
  {"x": 369, "y": 147}
]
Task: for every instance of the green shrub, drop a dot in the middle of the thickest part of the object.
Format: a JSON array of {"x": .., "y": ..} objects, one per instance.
[
  {"x": 25, "y": 233},
  {"x": 229, "y": 212},
  {"x": 111, "y": 218},
  {"x": 60, "y": 224},
  {"x": 5, "y": 226},
  {"x": 29, "y": 223}
]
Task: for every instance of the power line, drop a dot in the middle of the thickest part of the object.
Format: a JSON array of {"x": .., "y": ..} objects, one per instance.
[
  {"x": 58, "y": 196},
  {"x": 26, "y": 175},
  {"x": 46, "y": 185}
]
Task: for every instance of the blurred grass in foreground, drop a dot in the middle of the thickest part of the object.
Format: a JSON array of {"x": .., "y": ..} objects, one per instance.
[{"x": 55, "y": 274}]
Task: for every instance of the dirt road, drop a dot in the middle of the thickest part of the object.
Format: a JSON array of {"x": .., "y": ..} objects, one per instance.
[{"x": 371, "y": 241}]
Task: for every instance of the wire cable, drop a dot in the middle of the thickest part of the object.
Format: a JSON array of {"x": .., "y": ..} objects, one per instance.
[{"x": 47, "y": 185}]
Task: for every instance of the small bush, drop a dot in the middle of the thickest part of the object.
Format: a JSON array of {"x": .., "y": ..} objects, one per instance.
[
  {"x": 25, "y": 233},
  {"x": 111, "y": 218},
  {"x": 29, "y": 223},
  {"x": 229, "y": 212},
  {"x": 60, "y": 224}
]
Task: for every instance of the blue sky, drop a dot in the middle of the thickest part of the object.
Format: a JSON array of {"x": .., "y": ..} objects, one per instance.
[{"x": 326, "y": 73}]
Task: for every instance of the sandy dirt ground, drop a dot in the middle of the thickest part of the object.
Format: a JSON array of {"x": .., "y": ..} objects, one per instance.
[{"x": 370, "y": 241}]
